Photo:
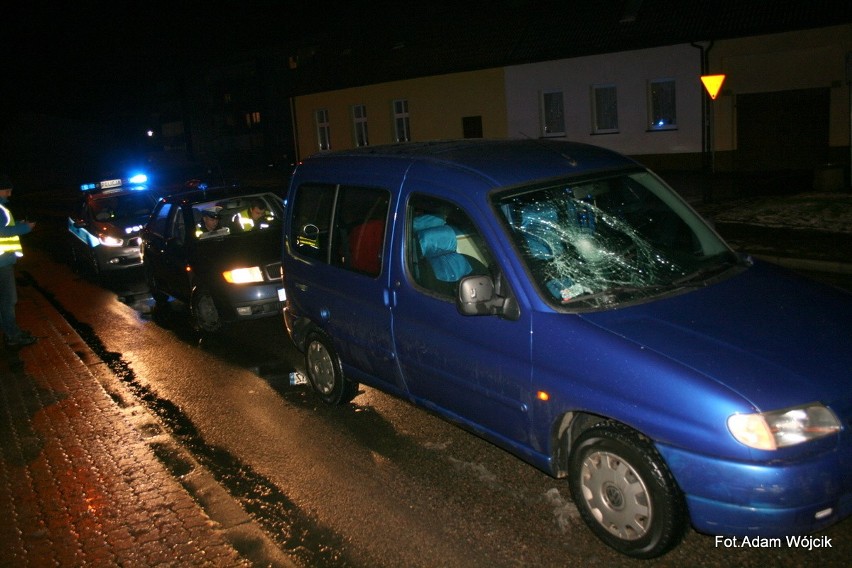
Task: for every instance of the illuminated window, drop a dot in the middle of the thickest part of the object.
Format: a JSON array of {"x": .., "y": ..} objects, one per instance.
[
  {"x": 661, "y": 105},
  {"x": 604, "y": 109},
  {"x": 323, "y": 129},
  {"x": 359, "y": 125},
  {"x": 252, "y": 118},
  {"x": 402, "y": 132},
  {"x": 552, "y": 114}
]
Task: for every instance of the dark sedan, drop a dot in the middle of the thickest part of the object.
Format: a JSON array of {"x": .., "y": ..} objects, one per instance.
[{"x": 218, "y": 251}]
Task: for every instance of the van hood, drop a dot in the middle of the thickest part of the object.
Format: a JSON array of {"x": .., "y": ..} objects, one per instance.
[{"x": 777, "y": 339}]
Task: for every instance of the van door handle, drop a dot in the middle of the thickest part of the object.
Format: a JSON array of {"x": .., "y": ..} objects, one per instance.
[{"x": 302, "y": 287}]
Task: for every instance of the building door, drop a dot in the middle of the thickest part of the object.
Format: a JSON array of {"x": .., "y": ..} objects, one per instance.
[{"x": 784, "y": 130}]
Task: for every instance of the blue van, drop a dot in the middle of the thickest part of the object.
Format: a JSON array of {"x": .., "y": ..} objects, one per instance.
[{"x": 560, "y": 301}]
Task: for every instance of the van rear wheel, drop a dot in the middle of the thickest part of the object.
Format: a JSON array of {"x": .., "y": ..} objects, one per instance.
[
  {"x": 325, "y": 373},
  {"x": 625, "y": 492}
]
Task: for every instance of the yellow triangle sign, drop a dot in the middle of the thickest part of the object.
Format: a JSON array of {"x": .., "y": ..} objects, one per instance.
[{"x": 713, "y": 83}]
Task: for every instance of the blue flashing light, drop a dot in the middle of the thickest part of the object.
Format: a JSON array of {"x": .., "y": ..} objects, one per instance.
[
  {"x": 136, "y": 182},
  {"x": 202, "y": 186}
]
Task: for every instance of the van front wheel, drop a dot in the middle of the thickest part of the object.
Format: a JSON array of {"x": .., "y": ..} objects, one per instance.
[
  {"x": 625, "y": 492},
  {"x": 325, "y": 373}
]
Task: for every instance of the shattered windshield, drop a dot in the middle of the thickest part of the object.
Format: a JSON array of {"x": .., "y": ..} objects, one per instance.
[{"x": 598, "y": 242}]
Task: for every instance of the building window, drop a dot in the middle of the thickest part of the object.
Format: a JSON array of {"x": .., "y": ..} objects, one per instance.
[
  {"x": 552, "y": 114},
  {"x": 402, "y": 132},
  {"x": 661, "y": 105},
  {"x": 252, "y": 119},
  {"x": 323, "y": 129},
  {"x": 604, "y": 109},
  {"x": 359, "y": 125},
  {"x": 472, "y": 126}
]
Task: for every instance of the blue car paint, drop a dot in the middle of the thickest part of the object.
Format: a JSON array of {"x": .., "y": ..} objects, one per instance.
[{"x": 674, "y": 368}]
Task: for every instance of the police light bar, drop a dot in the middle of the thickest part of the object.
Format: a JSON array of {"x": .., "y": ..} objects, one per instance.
[{"x": 136, "y": 180}]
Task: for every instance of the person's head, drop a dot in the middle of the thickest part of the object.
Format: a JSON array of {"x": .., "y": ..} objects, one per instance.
[
  {"x": 256, "y": 209},
  {"x": 5, "y": 186},
  {"x": 210, "y": 218}
]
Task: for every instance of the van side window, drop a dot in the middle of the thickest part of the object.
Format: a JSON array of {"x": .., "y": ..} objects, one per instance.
[
  {"x": 443, "y": 246},
  {"x": 341, "y": 225},
  {"x": 312, "y": 208},
  {"x": 359, "y": 233}
]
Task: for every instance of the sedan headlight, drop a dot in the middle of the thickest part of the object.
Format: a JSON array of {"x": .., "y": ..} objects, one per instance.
[
  {"x": 773, "y": 430},
  {"x": 243, "y": 275},
  {"x": 109, "y": 241}
]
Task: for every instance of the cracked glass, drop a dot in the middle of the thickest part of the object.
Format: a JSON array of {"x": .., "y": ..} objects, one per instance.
[{"x": 600, "y": 242}]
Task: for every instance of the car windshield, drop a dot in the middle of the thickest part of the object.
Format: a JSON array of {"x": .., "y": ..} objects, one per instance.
[
  {"x": 597, "y": 242},
  {"x": 123, "y": 206},
  {"x": 237, "y": 215}
]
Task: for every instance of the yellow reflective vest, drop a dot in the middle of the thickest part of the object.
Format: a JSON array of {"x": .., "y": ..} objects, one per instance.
[{"x": 10, "y": 244}]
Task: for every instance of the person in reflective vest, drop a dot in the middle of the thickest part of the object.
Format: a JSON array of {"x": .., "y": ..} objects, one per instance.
[{"x": 10, "y": 250}]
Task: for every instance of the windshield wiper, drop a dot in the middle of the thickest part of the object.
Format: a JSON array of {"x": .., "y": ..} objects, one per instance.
[
  {"x": 701, "y": 276},
  {"x": 618, "y": 293}
]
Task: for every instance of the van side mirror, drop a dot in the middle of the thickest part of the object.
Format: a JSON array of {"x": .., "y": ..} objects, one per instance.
[{"x": 477, "y": 297}]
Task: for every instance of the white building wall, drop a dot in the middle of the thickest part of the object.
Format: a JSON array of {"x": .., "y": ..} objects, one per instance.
[{"x": 630, "y": 73}]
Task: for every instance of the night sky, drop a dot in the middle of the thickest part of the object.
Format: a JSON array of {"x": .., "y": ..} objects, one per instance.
[
  {"x": 76, "y": 74},
  {"x": 67, "y": 58}
]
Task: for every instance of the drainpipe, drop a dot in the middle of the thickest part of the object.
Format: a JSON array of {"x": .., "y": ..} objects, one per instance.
[{"x": 707, "y": 150}]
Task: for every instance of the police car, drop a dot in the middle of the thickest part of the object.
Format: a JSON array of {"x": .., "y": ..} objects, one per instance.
[{"x": 104, "y": 228}]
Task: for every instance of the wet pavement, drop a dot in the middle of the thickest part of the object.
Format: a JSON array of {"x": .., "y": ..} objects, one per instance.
[{"x": 81, "y": 483}]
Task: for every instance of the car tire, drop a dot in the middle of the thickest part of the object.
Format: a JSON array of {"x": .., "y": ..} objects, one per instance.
[
  {"x": 94, "y": 265},
  {"x": 325, "y": 373},
  {"x": 74, "y": 258},
  {"x": 160, "y": 298},
  {"x": 625, "y": 492},
  {"x": 204, "y": 313}
]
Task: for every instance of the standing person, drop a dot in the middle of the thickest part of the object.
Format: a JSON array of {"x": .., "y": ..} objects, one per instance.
[{"x": 10, "y": 250}]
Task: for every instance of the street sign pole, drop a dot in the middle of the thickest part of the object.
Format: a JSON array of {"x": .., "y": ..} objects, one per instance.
[{"x": 713, "y": 84}]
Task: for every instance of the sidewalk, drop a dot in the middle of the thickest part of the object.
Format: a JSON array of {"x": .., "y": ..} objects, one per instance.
[
  {"x": 80, "y": 484},
  {"x": 780, "y": 220}
]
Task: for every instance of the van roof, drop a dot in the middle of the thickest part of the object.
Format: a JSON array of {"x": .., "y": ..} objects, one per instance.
[{"x": 503, "y": 162}]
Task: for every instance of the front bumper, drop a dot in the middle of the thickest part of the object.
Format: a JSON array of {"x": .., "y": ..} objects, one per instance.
[
  {"x": 753, "y": 499},
  {"x": 117, "y": 258},
  {"x": 253, "y": 301}
]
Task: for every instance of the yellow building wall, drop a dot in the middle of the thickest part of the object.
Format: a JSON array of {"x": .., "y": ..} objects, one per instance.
[
  {"x": 436, "y": 106},
  {"x": 785, "y": 61}
]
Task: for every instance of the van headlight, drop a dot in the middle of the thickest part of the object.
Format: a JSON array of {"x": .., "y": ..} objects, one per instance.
[
  {"x": 243, "y": 275},
  {"x": 780, "y": 428}
]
